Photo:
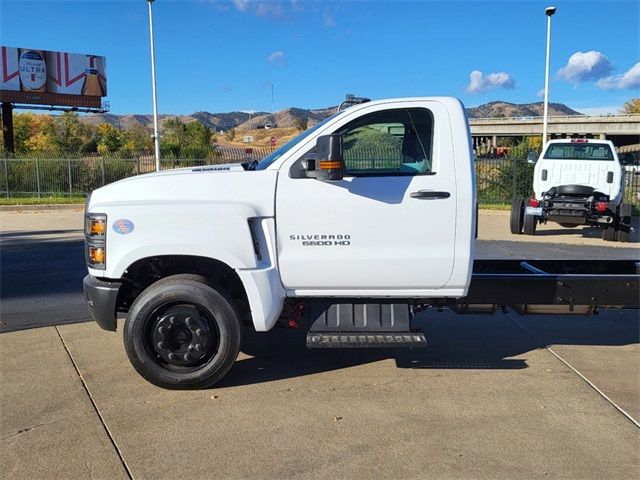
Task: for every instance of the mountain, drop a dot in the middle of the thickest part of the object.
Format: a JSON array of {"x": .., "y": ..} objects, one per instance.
[
  {"x": 506, "y": 109},
  {"x": 286, "y": 118}
]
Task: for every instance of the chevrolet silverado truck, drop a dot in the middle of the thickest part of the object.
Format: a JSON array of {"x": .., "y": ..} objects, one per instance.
[
  {"x": 348, "y": 230},
  {"x": 576, "y": 182}
]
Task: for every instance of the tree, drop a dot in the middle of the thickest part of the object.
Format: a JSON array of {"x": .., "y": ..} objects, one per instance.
[
  {"x": 68, "y": 132},
  {"x": 197, "y": 134},
  {"x": 109, "y": 138},
  {"x": 300, "y": 124},
  {"x": 631, "y": 106},
  {"x": 137, "y": 139}
]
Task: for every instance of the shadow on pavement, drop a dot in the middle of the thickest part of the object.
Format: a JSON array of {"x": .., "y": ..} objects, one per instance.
[
  {"x": 586, "y": 232},
  {"x": 454, "y": 342}
]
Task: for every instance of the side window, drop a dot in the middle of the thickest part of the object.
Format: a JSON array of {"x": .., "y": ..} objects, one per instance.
[{"x": 393, "y": 142}]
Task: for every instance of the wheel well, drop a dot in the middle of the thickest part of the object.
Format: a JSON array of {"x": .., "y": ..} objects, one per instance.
[{"x": 149, "y": 270}]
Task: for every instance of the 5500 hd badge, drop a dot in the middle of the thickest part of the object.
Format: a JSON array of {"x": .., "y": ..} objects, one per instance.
[{"x": 322, "y": 240}]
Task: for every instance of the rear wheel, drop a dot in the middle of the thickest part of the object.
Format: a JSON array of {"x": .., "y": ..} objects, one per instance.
[
  {"x": 517, "y": 215},
  {"x": 530, "y": 223},
  {"x": 624, "y": 228},
  {"x": 568, "y": 225},
  {"x": 609, "y": 234},
  {"x": 181, "y": 333}
]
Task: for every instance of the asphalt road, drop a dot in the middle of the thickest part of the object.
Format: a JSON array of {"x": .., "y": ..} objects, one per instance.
[{"x": 41, "y": 272}]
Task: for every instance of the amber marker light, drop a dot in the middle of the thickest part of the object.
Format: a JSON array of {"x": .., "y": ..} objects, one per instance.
[
  {"x": 329, "y": 165},
  {"x": 96, "y": 255},
  {"x": 97, "y": 226}
]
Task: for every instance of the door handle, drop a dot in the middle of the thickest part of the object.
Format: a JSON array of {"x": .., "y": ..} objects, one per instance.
[{"x": 429, "y": 195}]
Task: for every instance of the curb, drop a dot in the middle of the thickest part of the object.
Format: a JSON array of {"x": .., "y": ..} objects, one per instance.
[{"x": 40, "y": 208}]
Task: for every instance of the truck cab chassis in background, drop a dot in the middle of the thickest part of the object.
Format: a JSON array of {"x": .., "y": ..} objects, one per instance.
[{"x": 348, "y": 230}]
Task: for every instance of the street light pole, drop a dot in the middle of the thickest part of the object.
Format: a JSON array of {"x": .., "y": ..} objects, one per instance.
[
  {"x": 549, "y": 11},
  {"x": 156, "y": 135}
]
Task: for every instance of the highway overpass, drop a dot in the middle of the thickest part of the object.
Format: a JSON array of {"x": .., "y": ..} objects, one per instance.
[{"x": 621, "y": 129}]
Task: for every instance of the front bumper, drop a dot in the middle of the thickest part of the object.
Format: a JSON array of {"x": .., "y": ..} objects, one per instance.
[{"x": 101, "y": 296}]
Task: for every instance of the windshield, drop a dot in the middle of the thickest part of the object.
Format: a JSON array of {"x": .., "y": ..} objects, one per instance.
[
  {"x": 269, "y": 159},
  {"x": 578, "y": 151}
]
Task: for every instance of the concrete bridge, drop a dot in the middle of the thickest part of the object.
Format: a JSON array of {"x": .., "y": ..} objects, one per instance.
[{"x": 621, "y": 129}]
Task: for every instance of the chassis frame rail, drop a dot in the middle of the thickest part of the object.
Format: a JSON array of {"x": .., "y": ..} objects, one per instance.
[{"x": 527, "y": 283}]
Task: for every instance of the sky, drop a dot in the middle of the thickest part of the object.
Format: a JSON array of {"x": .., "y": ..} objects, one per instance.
[{"x": 221, "y": 56}]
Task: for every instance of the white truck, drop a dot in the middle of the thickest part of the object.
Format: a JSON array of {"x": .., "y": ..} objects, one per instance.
[
  {"x": 576, "y": 182},
  {"x": 347, "y": 230}
]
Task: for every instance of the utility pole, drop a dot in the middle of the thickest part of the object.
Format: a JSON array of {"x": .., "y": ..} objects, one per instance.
[
  {"x": 549, "y": 11},
  {"x": 156, "y": 135}
]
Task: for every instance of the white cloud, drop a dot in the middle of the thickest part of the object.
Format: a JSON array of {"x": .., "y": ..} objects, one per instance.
[
  {"x": 540, "y": 93},
  {"x": 241, "y": 5},
  {"x": 277, "y": 58},
  {"x": 478, "y": 82},
  {"x": 328, "y": 20},
  {"x": 584, "y": 66},
  {"x": 629, "y": 79},
  {"x": 267, "y": 8}
]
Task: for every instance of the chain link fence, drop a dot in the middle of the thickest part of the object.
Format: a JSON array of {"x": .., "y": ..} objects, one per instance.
[{"x": 498, "y": 179}]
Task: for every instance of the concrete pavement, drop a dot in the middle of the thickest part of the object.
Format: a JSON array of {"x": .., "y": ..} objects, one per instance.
[
  {"x": 499, "y": 396},
  {"x": 486, "y": 400}
]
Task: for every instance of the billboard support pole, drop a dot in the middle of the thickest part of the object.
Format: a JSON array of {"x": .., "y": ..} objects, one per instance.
[
  {"x": 7, "y": 126},
  {"x": 156, "y": 136}
]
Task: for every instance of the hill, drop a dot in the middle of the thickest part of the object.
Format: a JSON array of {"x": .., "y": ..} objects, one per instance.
[
  {"x": 286, "y": 118},
  {"x": 506, "y": 109}
]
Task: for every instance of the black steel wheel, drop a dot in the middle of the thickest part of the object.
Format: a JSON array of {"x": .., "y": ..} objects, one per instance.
[
  {"x": 624, "y": 227},
  {"x": 181, "y": 333},
  {"x": 529, "y": 225},
  {"x": 517, "y": 215}
]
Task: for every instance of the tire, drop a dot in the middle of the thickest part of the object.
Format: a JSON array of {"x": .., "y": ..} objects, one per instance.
[
  {"x": 181, "y": 333},
  {"x": 624, "y": 228},
  {"x": 530, "y": 224},
  {"x": 581, "y": 190},
  {"x": 517, "y": 215},
  {"x": 609, "y": 234},
  {"x": 569, "y": 225}
]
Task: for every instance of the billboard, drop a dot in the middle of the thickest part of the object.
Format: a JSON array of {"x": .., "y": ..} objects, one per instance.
[{"x": 42, "y": 77}]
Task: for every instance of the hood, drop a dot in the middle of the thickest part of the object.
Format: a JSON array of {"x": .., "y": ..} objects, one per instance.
[{"x": 202, "y": 184}]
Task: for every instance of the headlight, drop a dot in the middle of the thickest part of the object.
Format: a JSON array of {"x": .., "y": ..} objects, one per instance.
[{"x": 95, "y": 230}]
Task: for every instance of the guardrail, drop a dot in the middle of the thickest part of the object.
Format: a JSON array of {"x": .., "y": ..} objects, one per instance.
[{"x": 538, "y": 118}]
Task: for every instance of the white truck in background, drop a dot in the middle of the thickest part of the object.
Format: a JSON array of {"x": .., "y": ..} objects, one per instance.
[
  {"x": 349, "y": 229},
  {"x": 576, "y": 182}
]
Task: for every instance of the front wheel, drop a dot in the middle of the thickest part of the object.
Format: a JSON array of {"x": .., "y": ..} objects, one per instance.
[{"x": 181, "y": 333}]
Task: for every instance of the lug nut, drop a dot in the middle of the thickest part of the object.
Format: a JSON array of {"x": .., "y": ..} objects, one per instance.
[
  {"x": 172, "y": 320},
  {"x": 199, "y": 332},
  {"x": 160, "y": 330},
  {"x": 172, "y": 356},
  {"x": 191, "y": 348},
  {"x": 188, "y": 321},
  {"x": 161, "y": 345},
  {"x": 198, "y": 347},
  {"x": 186, "y": 357}
]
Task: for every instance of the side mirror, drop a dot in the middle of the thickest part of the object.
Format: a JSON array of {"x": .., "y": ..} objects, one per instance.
[
  {"x": 532, "y": 157},
  {"x": 329, "y": 164}
]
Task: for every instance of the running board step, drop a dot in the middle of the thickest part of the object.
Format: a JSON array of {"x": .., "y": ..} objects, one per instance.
[{"x": 366, "y": 340}]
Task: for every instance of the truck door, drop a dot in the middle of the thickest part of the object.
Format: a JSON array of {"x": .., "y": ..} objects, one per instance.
[{"x": 389, "y": 225}]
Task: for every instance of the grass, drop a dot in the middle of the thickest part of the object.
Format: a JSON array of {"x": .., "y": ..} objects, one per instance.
[{"x": 43, "y": 201}]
